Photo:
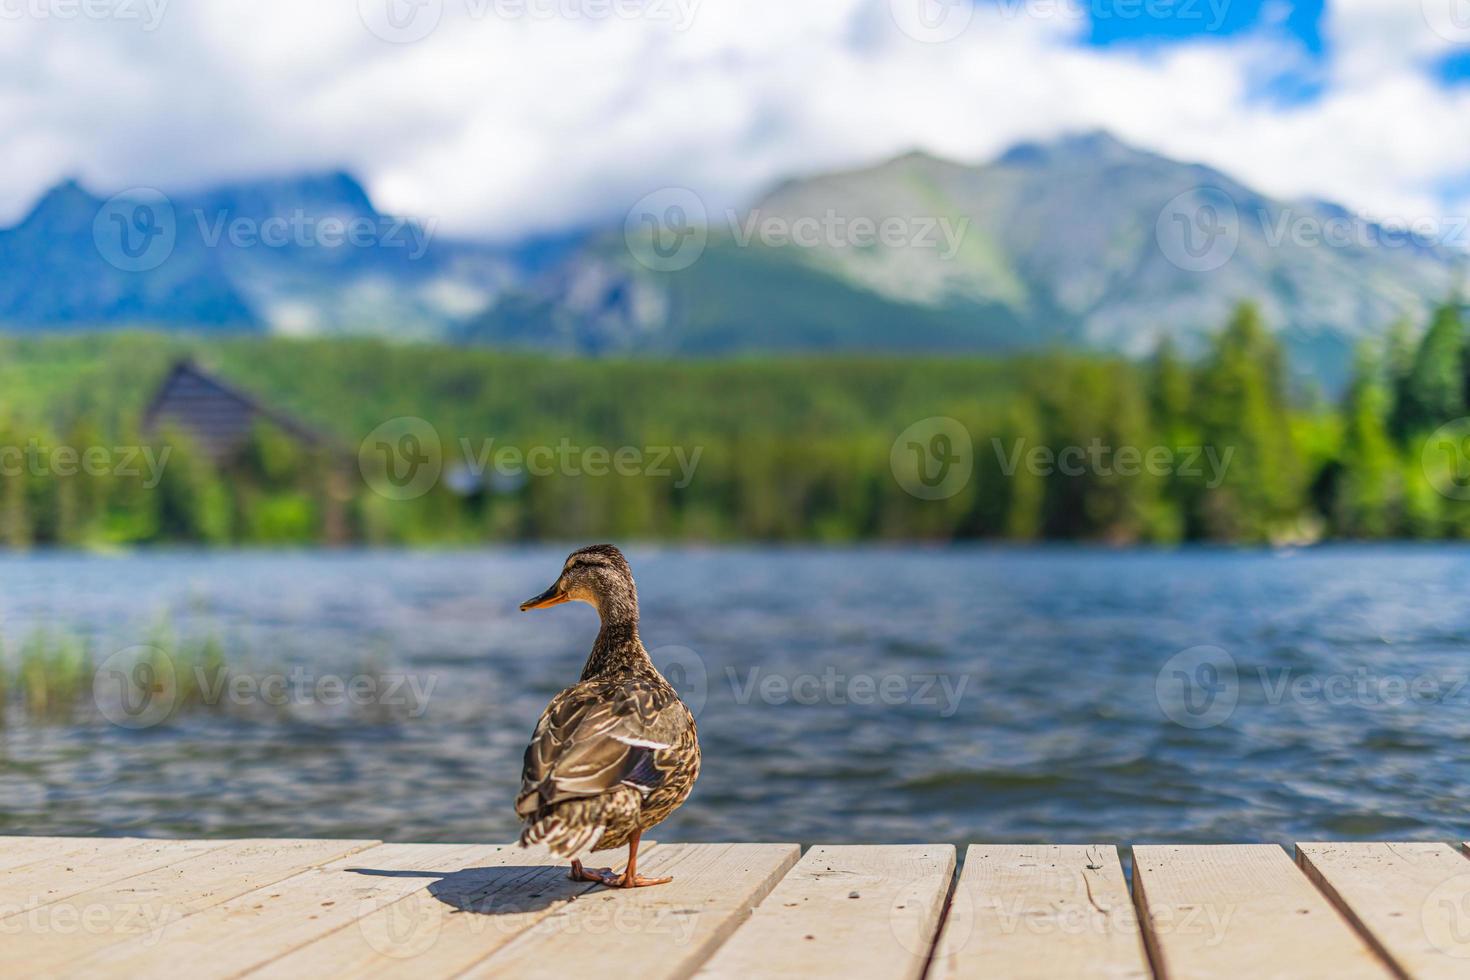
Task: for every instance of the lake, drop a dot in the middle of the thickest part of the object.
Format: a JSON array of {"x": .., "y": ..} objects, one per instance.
[{"x": 948, "y": 694}]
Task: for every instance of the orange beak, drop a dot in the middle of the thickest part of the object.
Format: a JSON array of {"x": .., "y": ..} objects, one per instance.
[{"x": 551, "y": 597}]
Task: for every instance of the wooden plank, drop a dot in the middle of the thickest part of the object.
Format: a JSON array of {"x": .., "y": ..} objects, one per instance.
[
  {"x": 46, "y": 938},
  {"x": 845, "y": 911},
  {"x": 1041, "y": 911},
  {"x": 1412, "y": 901},
  {"x": 255, "y": 928},
  {"x": 1241, "y": 910},
  {"x": 38, "y": 884},
  {"x": 654, "y": 933},
  {"x": 453, "y": 924},
  {"x": 19, "y": 852}
]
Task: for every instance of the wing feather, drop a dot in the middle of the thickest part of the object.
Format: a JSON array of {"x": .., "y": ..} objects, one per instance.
[{"x": 599, "y": 735}]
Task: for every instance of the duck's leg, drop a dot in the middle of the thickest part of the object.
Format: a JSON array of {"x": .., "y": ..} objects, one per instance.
[
  {"x": 603, "y": 876},
  {"x": 630, "y": 877}
]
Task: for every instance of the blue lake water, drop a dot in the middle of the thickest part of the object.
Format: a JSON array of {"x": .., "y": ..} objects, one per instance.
[{"x": 1065, "y": 695}]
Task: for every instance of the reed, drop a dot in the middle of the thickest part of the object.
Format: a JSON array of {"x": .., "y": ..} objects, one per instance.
[{"x": 55, "y": 680}]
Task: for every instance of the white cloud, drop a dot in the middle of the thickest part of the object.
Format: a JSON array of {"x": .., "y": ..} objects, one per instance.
[{"x": 499, "y": 122}]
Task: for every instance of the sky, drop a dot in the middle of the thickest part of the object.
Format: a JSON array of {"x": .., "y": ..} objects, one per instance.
[{"x": 498, "y": 118}]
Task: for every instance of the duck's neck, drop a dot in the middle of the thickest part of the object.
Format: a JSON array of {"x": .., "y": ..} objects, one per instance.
[{"x": 618, "y": 648}]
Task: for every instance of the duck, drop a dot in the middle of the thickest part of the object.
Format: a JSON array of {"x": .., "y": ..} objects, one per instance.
[{"x": 615, "y": 753}]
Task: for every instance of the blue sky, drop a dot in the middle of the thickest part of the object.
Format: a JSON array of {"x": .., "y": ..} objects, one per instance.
[
  {"x": 496, "y": 124},
  {"x": 1165, "y": 21}
]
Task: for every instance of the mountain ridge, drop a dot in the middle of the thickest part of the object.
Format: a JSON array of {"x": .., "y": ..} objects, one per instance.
[{"x": 1067, "y": 242}]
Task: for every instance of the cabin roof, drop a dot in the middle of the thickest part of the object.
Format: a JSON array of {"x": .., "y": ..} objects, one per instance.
[{"x": 218, "y": 416}]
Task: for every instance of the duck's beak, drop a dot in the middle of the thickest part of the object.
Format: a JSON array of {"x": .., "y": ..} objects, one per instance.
[{"x": 553, "y": 596}]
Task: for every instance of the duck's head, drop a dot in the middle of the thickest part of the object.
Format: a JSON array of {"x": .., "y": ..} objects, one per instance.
[{"x": 597, "y": 575}]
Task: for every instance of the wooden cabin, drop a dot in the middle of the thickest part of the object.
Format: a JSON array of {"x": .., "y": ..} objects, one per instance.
[
  {"x": 219, "y": 419},
  {"x": 217, "y": 416}
]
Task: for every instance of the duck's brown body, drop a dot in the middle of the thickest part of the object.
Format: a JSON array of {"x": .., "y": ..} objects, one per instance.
[{"x": 616, "y": 753}]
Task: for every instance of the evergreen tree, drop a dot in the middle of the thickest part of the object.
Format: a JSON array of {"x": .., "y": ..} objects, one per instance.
[
  {"x": 1368, "y": 492},
  {"x": 1434, "y": 392},
  {"x": 1243, "y": 417}
]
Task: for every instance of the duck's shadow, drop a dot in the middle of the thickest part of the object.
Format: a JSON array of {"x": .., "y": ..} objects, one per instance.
[{"x": 508, "y": 890}]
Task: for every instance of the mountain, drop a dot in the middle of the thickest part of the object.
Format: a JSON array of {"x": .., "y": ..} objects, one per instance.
[
  {"x": 1084, "y": 241},
  {"x": 1081, "y": 242},
  {"x": 305, "y": 254}
]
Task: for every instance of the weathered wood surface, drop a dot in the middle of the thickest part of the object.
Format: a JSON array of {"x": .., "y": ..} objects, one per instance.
[
  {"x": 1041, "y": 911},
  {"x": 844, "y": 911},
  {"x": 312, "y": 908},
  {"x": 1412, "y": 901},
  {"x": 1242, "y": 910}
]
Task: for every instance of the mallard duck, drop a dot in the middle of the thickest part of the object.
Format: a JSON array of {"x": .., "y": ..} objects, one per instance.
[{"x": 615, "y": 753}]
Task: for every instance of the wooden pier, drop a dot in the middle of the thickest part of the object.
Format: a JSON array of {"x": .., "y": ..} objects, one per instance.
[{"x": 317, "y": 908}]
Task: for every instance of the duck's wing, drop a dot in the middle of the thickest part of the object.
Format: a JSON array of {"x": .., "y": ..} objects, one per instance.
[{"x": 600, "y": 735}]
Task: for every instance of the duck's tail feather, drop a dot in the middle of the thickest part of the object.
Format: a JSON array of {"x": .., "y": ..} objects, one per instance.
[{"x": 561, "y": 836}]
